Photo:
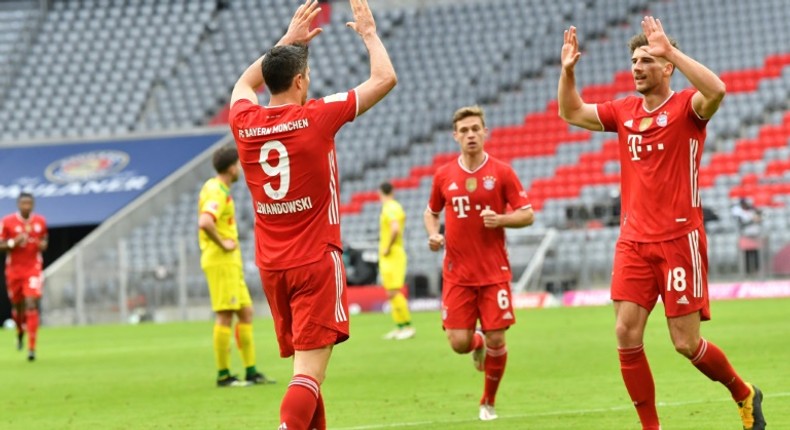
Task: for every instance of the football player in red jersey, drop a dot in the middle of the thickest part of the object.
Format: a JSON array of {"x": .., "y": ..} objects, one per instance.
[
  {"x": 662, "y": 249},
  {"x": 287, "y": 151},
  {"x": 23, "y": 237},
  {"x": 476, "y": 189}
]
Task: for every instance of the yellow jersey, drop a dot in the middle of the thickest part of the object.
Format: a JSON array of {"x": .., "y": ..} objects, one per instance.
[
  {"x": 391, "y": 211},
  {"x": 215, "y": 200}
]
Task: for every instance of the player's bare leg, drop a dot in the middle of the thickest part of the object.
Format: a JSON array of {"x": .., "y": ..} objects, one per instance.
[
  {"x": 18, "y": 311},
  {"x": 494, "y": 367},
  {"x": 713, "y": 363},
  {"x": 464, "y": 341},
  {"x": 302, "y": 405},
  {"x": 630, "y": 328},
  {"x": 32, "y": 321}
]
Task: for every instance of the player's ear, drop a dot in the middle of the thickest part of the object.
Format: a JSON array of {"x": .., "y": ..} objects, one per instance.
[{"x": 298, "y": 81}]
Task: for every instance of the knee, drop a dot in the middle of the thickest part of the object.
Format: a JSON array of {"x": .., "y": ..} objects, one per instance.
[
  {"x": 245, "y": 315},
  {"x": 686, "y": 346},
  {"x": 627, "y": 335},
  {"x": 495, "y": 339},
  {"x": 460, "y": 346}
]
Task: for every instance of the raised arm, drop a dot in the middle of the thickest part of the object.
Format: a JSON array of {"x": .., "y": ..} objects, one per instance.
[
  {"x": 382, "y": 75},
  {"x": 298, "y": 32},
  {"x": 572, "y": 108},
  {"x": 710, "y": 88}
]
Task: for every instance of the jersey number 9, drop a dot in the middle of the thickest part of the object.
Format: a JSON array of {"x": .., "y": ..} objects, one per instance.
[{"x": 282, "y": 169}]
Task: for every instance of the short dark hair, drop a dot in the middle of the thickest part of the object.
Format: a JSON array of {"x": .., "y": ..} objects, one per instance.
[
  {"x": 25, "y": 195},
  {"x": 386, "y": 188},
  {"x": 281, "y": 64},
  {"x": 224, "y": 158}
]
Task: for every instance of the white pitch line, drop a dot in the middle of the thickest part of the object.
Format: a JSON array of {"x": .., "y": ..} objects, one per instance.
[{"x": 544, "y": 414}]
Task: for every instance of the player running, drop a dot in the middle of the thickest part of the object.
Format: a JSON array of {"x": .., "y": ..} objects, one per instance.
[
  {"x": 476, "y": 190},
  {"x": 24, "y": 237},
  {"x": 662, "y": 250}
]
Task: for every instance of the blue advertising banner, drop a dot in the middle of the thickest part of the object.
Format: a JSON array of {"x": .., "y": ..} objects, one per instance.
[{"x": 84, "y": 184}]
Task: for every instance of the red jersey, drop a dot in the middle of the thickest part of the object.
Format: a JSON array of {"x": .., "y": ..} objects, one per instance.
[
  {"x": 288, "y": 156},
  {"x": 24, "y": 260},
  {"x": 660, "y": 153},
  {"x": 475, "y": 255}
]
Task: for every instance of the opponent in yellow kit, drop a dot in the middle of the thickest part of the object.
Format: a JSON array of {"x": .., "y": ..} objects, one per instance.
[
  {"x": 221, "y": 262},
  {"x": 393, "y": 260}
]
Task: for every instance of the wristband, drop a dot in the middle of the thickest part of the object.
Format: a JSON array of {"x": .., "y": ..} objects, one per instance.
[{"x": 10, "y": 244}]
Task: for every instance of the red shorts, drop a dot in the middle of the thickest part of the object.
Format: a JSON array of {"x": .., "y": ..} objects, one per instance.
[
  {"x": 492, "y": 304},
  {"x": 20, "y": 287},
  {"x": 309, "y": 304},
  {"x": 677, "y": 270}
]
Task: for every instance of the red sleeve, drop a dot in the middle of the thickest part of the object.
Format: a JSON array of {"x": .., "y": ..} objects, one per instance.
[
  {"x": 334, "y": 111},
  {"x": 700, "y": 122},
  {"x": 236, "y": 115},
  {"x": 515, "y": 194},
  {"x": 44, "y": 229},
  {"x": 607, "y": 115},
  {"x": 4, "y": 232},
  {"x": 436, "y": 203}
]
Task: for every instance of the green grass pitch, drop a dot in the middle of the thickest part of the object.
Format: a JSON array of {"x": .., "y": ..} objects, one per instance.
[{"x": 562, "y": 374}]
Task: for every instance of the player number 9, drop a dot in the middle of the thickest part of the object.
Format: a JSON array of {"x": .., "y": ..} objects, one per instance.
[
  {"x": 503, "y": 299},
  {"x": 282, "y": 169}
]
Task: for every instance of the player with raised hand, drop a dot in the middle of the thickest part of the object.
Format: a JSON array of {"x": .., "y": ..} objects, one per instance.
[
  {"x": 476, "y": 189},
  {"x": 662, "y": 249},
  {"x": 287, "y": 151}
]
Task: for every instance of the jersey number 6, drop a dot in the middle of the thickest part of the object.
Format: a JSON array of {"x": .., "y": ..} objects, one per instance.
[{"x": 282, "y": 169}]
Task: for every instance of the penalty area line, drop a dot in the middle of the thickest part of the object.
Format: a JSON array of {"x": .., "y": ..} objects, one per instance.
[{"x": 545, "y": 414}]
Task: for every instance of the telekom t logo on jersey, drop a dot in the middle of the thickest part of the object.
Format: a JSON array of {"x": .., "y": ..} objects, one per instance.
[
  {"x": 635, "y": 146},
  {"x": 461, "y": 206}
]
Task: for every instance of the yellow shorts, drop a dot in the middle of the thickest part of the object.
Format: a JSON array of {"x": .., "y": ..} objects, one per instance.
[
  {"x": 227, "y": 288},
  {"x": 393, "y": 271}
]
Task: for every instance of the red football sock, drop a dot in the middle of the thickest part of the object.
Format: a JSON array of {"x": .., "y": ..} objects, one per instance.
[
  {"x": 711, "y": 361},
  {"x": 319, "y": 417},
  {"x": 639, "y": 383},
  {"x": 299, "y": 403},
  {"x": 476, "y": 343},
  {"x": 496, "y": 358},
  {"x": 32, "y": 328},
  {"x": 19, "y": 320}
]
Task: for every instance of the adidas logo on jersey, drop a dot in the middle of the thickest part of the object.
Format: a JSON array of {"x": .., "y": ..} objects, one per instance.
[
  {"x": 683, "y": 300},
  {"x": 452, "y": 187},
  {"x": 507, "y": 316}
]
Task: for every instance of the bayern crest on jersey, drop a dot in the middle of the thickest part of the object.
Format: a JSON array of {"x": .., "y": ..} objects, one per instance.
[
  {"x": 489, "y": 182},
  {"x": 662, "y": 119}
]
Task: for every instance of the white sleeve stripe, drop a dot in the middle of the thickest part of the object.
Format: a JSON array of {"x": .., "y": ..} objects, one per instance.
[
  {"x": 603, "y": 127},
  {"x": 356, "y": 104}
]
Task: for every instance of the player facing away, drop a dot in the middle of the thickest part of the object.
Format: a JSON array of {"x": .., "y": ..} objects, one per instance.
[
  {"x": 476, "y": 190},
  {"x": 393, "y": 260},
  {"x": 23, "y": 238},
  {"x": 287, "y": 151},
  {"x": 662, "y": 249},
  {"x": 220, "y": 260}
]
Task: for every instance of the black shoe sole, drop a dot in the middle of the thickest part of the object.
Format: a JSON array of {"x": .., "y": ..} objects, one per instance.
[{"x": 757, "y": 405}]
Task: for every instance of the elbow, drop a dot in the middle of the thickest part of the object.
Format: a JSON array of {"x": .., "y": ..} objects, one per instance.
[
  {"x": 391, "y": 80},
  {"x": 721, "y": 91}
]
